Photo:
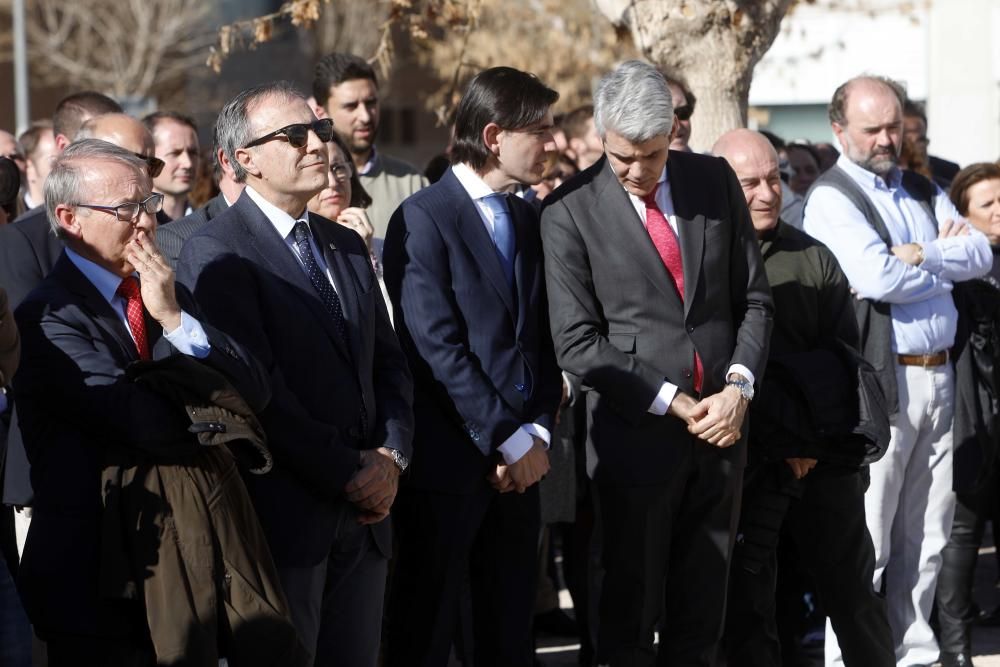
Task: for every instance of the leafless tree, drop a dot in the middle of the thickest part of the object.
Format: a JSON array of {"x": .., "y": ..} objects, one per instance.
[{"x": 122, "y": 47}]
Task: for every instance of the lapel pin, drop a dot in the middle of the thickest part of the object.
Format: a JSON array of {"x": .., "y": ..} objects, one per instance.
[{"x": 333, "y": 246}]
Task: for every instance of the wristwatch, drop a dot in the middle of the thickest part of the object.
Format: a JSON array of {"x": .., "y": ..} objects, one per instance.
[
  {"x": 401, "y": 461},
  {"x": 744, "y": 385}
]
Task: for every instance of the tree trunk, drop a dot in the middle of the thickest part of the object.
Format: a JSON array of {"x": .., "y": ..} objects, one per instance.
[{"x": 712, "y": 45}]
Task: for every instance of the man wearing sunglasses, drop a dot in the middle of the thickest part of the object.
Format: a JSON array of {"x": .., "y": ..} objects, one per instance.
[
  {"x": 684, "y": 101},
  {"x": 299, "y": 292}
]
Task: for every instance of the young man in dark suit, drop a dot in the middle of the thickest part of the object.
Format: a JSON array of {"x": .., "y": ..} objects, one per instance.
[
  {"x": 463, "y": 268},
  {"x": 109, "y": 301},
  {"x": 659, "y": 302},
  {"x": 299, "y": 292}
]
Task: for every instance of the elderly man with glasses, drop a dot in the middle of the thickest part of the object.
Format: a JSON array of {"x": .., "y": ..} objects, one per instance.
[
  {"x": 109, "y": 302},
  {"x": 299, "y": 291}
]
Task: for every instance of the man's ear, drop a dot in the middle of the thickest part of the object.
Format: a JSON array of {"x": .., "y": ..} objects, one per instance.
[
  {"x": 317, "y": 108},
  {"x": 69, "y": 220},
  {"x": 840, "y": 131},
  {"x": 491, "y": 137},
  {"x": 246, "y": 160}
]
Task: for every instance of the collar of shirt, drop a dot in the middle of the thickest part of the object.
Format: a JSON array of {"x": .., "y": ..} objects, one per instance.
[
  {"x": 29, "y": 203},
  {"x": 663, "y": 200},
  {"x": 478, "y": 191},
  {"x": 870, "y": 180},
  {"x": 370, "y": 165},
  {"x": 105, "y": 281},
  {"x": 281, "y": 221}
]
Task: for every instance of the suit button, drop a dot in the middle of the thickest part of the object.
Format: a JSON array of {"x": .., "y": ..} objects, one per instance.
[
  {"x": 687, "y": 372},
  {"x": 690, "y": 329},
  {"x": 519, "y": 387}
]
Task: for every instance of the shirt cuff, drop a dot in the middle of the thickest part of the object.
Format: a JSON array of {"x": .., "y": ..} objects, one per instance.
[
  {"x": 933, "y": 259},
  {"x": 189, "y": 338},
  {"x": 742, "y": 370},
  {"x": 518, "y": 444},
  {"x": 663, "y": 399}
]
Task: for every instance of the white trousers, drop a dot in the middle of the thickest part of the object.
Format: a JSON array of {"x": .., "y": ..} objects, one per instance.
[{"x": 909, "y": 509}]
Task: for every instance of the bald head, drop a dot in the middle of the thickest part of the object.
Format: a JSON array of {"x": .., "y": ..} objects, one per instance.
[
  {"x": 121, "y": 130},
  {"x": 755, "y": 162}
]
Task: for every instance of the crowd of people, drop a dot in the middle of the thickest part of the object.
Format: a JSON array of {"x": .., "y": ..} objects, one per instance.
[{"x": 296, "y": 402}]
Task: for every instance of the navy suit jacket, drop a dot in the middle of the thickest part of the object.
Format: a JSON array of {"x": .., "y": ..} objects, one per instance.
[
  {"x": 79, "y": 412},
  {"x": 481, "y": 354},
  {"x": 250, "y": 284}
]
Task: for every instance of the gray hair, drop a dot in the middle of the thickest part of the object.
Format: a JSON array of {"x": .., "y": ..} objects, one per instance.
[
  {"x": 233, "y": 129},
  {"x": 69, "y": 169},
  {"x": 634, "y": 101}
]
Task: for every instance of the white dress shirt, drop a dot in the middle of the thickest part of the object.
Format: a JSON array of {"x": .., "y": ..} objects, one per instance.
[
  {"x": 666, "y": 205},
  {"x": 923, "y": 312},
  {"x": 518, "y": 444},
  {"x": 284, "y": 224}
]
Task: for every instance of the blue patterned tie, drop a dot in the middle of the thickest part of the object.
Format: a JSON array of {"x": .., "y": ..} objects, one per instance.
[
  {"x": 322, "y": 285},
  {"x": 503, "y": 233}
]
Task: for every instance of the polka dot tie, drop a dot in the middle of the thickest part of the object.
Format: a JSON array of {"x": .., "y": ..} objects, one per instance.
[
  {"x": 322, "y": 285},
  {"x": 129, "y": 290}
]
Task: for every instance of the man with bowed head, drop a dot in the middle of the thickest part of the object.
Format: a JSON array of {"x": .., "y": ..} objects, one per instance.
[
  {"x": 299, "y": 292},
  {"x": 463, "y": 267},
  {"x": 659, "y": 301}
]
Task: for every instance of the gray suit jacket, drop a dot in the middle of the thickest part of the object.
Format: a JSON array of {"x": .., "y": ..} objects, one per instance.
[
  {"x": 170, "y": 238},
  {"x": 619, "y": 323}
]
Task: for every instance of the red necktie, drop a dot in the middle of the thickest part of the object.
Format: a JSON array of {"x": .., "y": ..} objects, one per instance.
[
  {"x": 129, "y": 290},
  {"x": 665, "y": 240}
]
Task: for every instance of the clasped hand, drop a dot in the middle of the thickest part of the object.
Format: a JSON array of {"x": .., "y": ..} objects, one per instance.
[
  {"x": 373, "y": 487},
  {"x": 524, "y": 472},
  {"x": 716, "y": 419}
]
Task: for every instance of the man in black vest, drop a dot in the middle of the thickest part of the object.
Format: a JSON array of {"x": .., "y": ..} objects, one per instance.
[
  {"x": 894, "y": 236},
  {"x": 797, "y": 481}
]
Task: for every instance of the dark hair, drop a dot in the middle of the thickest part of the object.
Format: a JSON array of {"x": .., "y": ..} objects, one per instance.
[
  {"x": 775, "y": 140},
  {"x": 31, "y": 137},
  {"x": 838, "y": 105},
  {"x": 574, "y": 124},
  {"x": 10, "y": 184},
  {"x": 359, "y": 196},
  {"x": 334, "y": 69},
  {"x": 691, "y": 99},
  {"x": 808, "y": 148},
  {"x": 153, "y": 119},
  {"x": 965, "y": 179},
  {"x": 73, "y": 110},
  {"x": 503, "y": 95},
  {"x": 915, "y": 110}
]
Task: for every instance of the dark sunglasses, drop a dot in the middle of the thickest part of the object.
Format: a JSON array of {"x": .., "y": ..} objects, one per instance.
[
  {"x": 153, "y": 163},
  {"x": 684, "y": 112},
  {"x": 298, "y": 133}
]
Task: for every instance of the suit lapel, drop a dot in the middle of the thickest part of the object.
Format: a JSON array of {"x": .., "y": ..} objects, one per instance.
[
  {"x": 100, "y": 310},
  {"x": 690, "y": 232},
  {"x": 278, "y": 256},
  {"x": 612, "y": 201},
  {"x": 477, "y": 238}
]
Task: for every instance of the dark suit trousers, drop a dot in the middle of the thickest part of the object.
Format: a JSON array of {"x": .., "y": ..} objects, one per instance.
[
  {"x": 827, "y": 524},
  {"x": 492, "y": 538},
  {"x": 77, "y": 650},
  {"x": 336, "y": 605},
  {"x": 667, "y": 547}
]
